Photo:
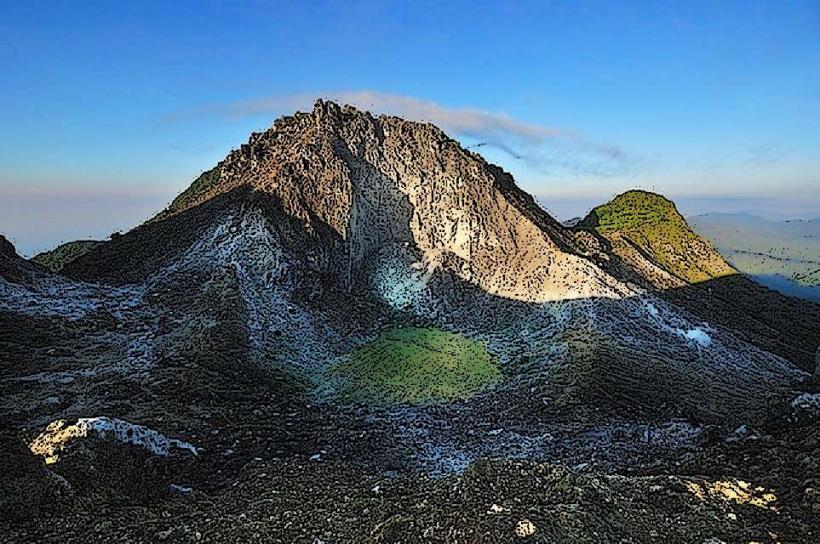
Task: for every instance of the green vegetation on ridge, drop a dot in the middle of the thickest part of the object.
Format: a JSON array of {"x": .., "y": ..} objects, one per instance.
[
  {"x": 414, "y": 365},
  {"x": 206, "y": 181},
  {"x": 63, "y": 254},
  {"x": 635, "y": 210},
  {"x": 653, "y": 224}
]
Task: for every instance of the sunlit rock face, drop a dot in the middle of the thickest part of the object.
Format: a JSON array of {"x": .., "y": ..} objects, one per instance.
[{"x": 371, "y": 188}]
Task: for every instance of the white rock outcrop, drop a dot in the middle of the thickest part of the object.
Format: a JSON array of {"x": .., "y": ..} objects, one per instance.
[{"x": 59, "y": 435}]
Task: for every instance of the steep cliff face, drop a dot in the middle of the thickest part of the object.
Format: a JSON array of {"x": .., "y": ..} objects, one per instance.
[
  {"x": 648, "y": 233},
  {"x": 382, "y": 193}
]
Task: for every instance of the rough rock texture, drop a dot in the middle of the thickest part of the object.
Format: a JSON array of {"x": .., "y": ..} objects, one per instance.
[
  {"x": 6, "y": 248},
  {"x": 115, "y": 458},
  {"x": 816, "y": 375},
  {"x": 27, "y": 488},
  {"x": 14, "y": 268},
  {"x": 60, "y": 436},
  {"x": 400, "y": 194}
]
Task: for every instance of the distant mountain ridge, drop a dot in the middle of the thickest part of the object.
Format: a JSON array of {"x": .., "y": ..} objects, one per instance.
[{"x": 784, "y": 255}]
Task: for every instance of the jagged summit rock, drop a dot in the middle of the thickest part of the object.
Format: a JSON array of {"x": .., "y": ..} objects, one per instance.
[{"x": 382, "y": 193}]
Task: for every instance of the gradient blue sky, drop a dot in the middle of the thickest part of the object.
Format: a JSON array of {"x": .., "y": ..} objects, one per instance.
[{"x": 108, "y": 110}]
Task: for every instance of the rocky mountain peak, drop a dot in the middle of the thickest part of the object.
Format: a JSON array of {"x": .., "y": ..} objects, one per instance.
[
  {"x": 382, "y": 193},
  {"x": 386, "y": 193}
]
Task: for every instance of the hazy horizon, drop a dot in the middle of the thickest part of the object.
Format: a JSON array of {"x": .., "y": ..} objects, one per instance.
[
  {"x": 92, "y": 217},
  {"x": 110, "y": 111}
]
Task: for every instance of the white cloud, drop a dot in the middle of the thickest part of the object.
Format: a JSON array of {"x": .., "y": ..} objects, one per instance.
[{"x": 543, "y": 148}]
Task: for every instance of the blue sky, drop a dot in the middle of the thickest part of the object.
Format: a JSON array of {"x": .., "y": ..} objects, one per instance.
[{"x": 107, "y": 110}]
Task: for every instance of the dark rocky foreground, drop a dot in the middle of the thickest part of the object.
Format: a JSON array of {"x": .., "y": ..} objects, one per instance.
[
  {"x": 752, "y": 485},
  {"x": 547, "y": 463}
]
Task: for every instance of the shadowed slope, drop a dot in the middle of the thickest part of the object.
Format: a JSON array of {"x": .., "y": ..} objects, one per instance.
[
  {"x": 16, "y": 269},
  {"x": 786, "y": 326}
]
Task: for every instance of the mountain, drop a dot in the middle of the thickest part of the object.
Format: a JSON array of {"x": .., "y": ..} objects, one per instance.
[
  {"x": 354, "y": 314},
  {"x": 351, "y": 212},
  {"x": 643, "y": 239},
  {"x": 381, "y": 193},
  {"x": 647, "y": 232},
  {"x": 779, "y": 254}
]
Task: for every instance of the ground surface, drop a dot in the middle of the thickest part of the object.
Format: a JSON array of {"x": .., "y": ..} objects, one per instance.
[{"x": 756, "y": 487}]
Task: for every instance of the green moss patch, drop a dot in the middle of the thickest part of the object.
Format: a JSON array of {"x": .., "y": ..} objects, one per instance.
[{"x": 416, "y": 365}]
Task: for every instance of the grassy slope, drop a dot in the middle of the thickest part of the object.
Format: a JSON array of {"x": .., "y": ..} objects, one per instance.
[
  {"x": 55, "y": 259},
  {"x": 410, "y": 365},
  {"x": 654, "y": 224}
]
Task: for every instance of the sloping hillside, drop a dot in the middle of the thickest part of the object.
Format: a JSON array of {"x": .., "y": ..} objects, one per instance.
[
  {"x": 63, "y": 254},
  {"x": 647, "y": 231},
  {"x": 394, "y": 195}
]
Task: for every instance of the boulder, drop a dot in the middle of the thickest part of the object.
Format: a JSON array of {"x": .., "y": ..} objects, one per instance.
[{"x": 113, "y": 458}]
